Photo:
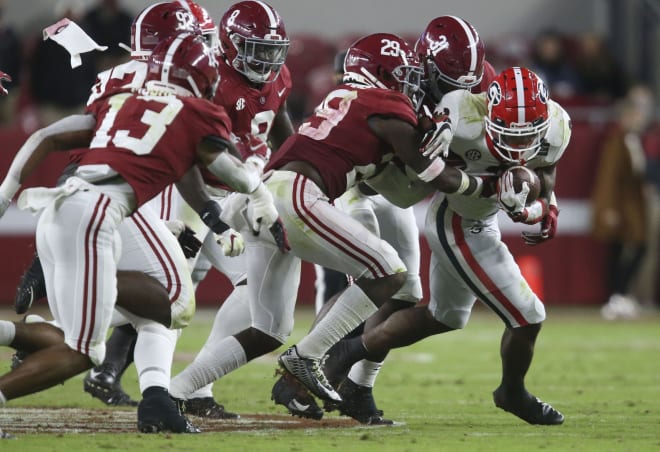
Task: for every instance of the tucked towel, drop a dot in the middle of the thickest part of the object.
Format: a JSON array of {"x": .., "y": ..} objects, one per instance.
[{"x": 36, "y": 199}]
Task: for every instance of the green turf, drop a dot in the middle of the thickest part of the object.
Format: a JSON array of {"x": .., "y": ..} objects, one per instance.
[{"x": 604, "y": 376}]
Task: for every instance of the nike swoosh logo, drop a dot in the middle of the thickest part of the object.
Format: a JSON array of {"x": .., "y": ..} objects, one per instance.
[
  {"x": 94, "y": 373},
  {"x": 294, "y": 405},
  {"x": 279, "y": 93},
  {"x": 509, "y": 208}
]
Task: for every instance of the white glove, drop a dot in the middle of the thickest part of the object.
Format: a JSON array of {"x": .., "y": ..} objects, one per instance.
[
  {"x": 436, "y": 141},
  {"x": 4, "y": 205},
  {"x": 264, "y": 213},
  {"x": 232, "y": 242},
  {"x": 176, "y": 227},
  {"x": 514, "y": 203}
]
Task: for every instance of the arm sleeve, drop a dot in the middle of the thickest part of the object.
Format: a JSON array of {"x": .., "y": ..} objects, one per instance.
[{"x": 73, "y": 123}]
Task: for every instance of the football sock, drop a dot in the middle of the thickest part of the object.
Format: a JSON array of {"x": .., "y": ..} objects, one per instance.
[
  {"x": 154, "y": 351},
  {"x": 364, "y": 372},
  {"x": 7, "y": 332},
  {"x": 352, "y": 307},
  {"x": 214, "y": 360}
]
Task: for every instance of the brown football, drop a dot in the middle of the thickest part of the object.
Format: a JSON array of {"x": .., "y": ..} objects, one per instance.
[{"x": 523, "y": 174}]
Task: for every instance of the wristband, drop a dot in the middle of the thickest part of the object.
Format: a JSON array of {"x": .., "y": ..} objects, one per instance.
[
  {"x": 433, "y": 170},
  {"x": 210, "y": 215}
]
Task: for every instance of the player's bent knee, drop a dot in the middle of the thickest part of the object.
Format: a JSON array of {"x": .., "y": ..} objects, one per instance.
[
  {"x": 454, "y": 319},
  {"x": 95, "y": 352}
]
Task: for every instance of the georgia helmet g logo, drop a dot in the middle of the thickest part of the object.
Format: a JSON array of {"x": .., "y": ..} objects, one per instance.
[
  {"x": 494, "y": 93},
  {"x": 543, "y": 92}
]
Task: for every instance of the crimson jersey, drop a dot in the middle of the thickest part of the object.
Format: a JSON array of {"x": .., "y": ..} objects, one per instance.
[
  {"x": 251, "y": 110},
  {"x": 124, "y": 78},
  {"x": 151, "y": 141},
  {"x": 337, "y": 139}
]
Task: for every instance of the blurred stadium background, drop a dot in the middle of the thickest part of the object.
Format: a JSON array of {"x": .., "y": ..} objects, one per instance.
[{"x": 568, "y": 270}]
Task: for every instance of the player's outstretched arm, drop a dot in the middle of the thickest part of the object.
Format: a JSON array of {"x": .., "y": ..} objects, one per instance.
[
  {"x": 244, "y": 179},
  {"x": 67, "y": 133},
  {"x": 405, "y": 140}
]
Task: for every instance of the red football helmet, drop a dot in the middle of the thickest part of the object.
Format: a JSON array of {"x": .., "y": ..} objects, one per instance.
[
  {"x": 384, "y": 60},
  {"x": 517, "y": 118},
  {"x": 253, "y": 40},
  {"x": 157, "y": 22},
  {"x": 452, "y": 55},
  {"x": 206, "y": 24},
  {"x": 182, "y": 65}
]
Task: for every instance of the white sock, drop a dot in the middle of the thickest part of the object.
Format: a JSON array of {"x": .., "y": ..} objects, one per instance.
[
  {"x": 154, "y": 351},
  {"x": 232, "y": 317},
  {"x": 364, "y": 372},
  {"x": 201, "y": 393},
  {"x": 3, "y": 399},
  {"x": 7, "y": 332},
  {"x": 352, "y": 307},
  {"x": 213, "y": 361}
]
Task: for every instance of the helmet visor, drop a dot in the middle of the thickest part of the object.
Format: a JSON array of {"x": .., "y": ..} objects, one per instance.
[{"x": 262, "y": 58}]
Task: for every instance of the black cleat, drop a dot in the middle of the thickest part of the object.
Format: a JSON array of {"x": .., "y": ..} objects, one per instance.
[
  {"x": 207, "y": 407},
  {"x": 527, "y": 407},
  {"x": 101, "y": 383},
  {"x": 5, "y": 435},
  {"x": 160, "y": 413},
  {"x": 31, "y": 288},
  {"x": 309, "y": 372},
  {"x": 358, "y": 403},
  {"x": 295, "y": 397},
  {"x": 337, "y": 365}
]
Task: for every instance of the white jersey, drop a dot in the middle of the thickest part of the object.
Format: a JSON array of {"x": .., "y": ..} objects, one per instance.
[{"x": 467, "y": 112}]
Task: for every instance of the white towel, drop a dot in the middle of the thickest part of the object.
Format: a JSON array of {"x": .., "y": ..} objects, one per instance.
[
  {"x": 36, "y": 199},
  {"x": 70, "y": 36}
]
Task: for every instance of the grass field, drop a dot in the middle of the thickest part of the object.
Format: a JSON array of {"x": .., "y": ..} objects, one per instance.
[{"x": 604, "y": 376}]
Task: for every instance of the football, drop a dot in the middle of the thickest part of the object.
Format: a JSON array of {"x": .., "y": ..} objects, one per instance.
[{"x": 523, "y": 174}]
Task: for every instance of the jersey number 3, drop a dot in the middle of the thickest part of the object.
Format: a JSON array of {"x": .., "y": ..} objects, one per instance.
[{"x": 157, "y": 122}]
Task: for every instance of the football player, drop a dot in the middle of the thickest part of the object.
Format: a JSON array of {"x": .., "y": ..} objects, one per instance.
[
  {"x": 452, "y": 55},
  {"x": 513, "y": 123},
  {"x": 253, "y": 89},
  {"x": 129, "y": 160},
  {"x": 353, "y": 134}
]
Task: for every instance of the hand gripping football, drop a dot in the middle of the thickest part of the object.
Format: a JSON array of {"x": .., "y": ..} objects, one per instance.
[{"x": 522, "y": 174}]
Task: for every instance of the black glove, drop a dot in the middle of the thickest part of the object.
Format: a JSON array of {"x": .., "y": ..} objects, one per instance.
[
  {"x": 279, "y": 234},
  {"x": 210, "y": 215},
  {"x": 189, "y": 243}
]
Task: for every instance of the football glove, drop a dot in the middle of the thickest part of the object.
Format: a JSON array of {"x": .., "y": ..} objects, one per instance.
[
  {"x": 189, "y": 243},
  {"x": 278, "y": 232},
  {"x": 264, "y": 213},
  {"x": 436, "y": 141},
  {"x": 231, "y": 242},
  {"x": 548, "y": 228},
  {"x": 186, "y": 238},
  {"x": 513, "y": 203}
]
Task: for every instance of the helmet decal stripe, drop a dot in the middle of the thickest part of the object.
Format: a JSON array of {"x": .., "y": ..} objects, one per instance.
[
  {"x": 271, "y": 16},
  {"x": 169, "y": 56},
  {"x": 520, "y": 92},
  {"x": 472, "y": 39},
  {"x": 138, "y": 26}
]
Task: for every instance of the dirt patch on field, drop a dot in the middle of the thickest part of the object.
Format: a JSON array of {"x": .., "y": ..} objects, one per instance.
[{"x": 16, "y": 420}]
